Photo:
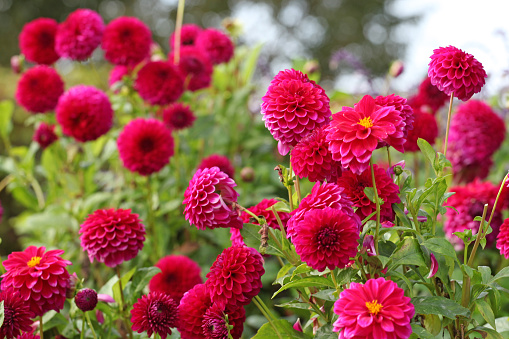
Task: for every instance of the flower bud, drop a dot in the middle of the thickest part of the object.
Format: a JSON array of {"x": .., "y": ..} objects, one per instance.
[
  {"x": 397, "y": 67},
  {"x": 71, "y": 286},
  {"x": 86, "y": 299},
  {"x": 247, "y": 174}
]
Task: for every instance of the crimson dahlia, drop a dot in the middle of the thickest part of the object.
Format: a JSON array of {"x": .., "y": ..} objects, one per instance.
[
  {"x": 425, "y": 127},
  {"x": 16, "y": 315},
  {"x": 220, "y": 161},
  {"x": 178, "y": 116},
  {"x": 159, "y": 83},
  {"x": 195, "y": 66},
  {"x": 86, "y": 299},
  {"x": 154, "y": 313},
  {"x": 37, "y": 41},
  {"x": 214, "y": 322},
  {"x": 429, "y": 95},
  {"x": 188, "y": 34},
  {"x": 215, "y": 44}
]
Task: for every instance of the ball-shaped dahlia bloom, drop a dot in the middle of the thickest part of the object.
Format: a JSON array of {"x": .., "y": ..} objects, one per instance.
[
  {"x": 79, "y": 35},
  {"x": 188, "y": 34},
  {"x": 312, "y": 159},
  {"x": 353, "y": 188},
  {"x": 154, "y": 313},
  {"x": 503, "y": 239},
  {"x": 215, "y": 323},
  {"x": 85, "y": 113},
  {"x": 126, "y": 41},
  {"x": 262, "y": 209},
  {"x": 112, "y": 236},
  {"x": 159, "y": 83},
  {"x": 178, "y": 116},
  {"x": 354, "y": 133},
  {"x": 377, "y": 309},
  {"x": 293, "y": 107},
  {"x": 145, "y": 146},
  {"x": 209, "y": 200},
  {"x": 40, "y": 277},
  {"x": 45, "y": 135},
  {"x": 220, "y": 161},
  {"x": 429, "y": 95},
  {"x": 37, "y": 41},
  {"x": 425, "y": 127},
  {"x": 326, "y": 238},
  {"x": 195, "y": 66},
  {"x": 86, "y": 299},
  {"x": 178, "y": 275},
  {"x": 235, "y": 277},
  {"x": 215, "y": 44},
  {"x": 39, "y": 89},
  {"x": 454, "y": 71},
  {"x": 17, "y": 315},
  {"x": 407, "y": 114}
]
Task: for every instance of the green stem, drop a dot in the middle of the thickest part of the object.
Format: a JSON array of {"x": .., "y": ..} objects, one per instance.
[
  {"x": 377, "y": 202},
  {"x": 361, "y": 268},
  {"x": 290, "y": 194},
  {"x": 297, "y": 188},
  {"x": 313, "y": 306},
  {"x": 150, "y": 222},
  {"x": 448, "y": 124},
  {"x": 41, "y": 329},
  {"x": 333, "y": 274},
  {"x": 388, "y": 155},
  {"x": 6, "y": 181},
  {"x": 82, "y": 334},
  {"x": 90, "y": 324},
  {"x": 266, "y": 315},
  {"x": 178, "y": 29},
  {"x": 38, "y": 193},
  {"x": 126, "y": 322}
]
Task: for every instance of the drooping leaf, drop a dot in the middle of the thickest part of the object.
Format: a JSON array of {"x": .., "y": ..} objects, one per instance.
[
  {"x": 306, "y": 282},
  {"x": 440, "y": 306},
  {"x": 487, "y": 313}
]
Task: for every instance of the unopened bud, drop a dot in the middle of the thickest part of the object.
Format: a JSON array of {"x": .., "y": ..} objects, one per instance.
[
  {"x": 71, "y": 286},
  {"x": 247, "y": 174},
  {"x": 17, "y": 64},
  {"x": 311, "y": 66},
  {"x": 397, "y": 68}
]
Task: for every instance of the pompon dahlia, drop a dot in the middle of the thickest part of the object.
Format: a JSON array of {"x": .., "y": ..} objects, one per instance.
[
  {"x": 17, "y": 315},
  {"x": 425, "y": 127},
  {"x": 79, "y": 35},
  {"x": 312, "y": 159},
  {"x": 353, "y": 189},
  {"x": 195, "y": 66},
  {"x": 235, "y": 277},
  {"x": 377, "y": 309},
  {"x": 178, "y": 116},
  {"x": 126, "y": 41},
  {"x": 45, "y": 135},
  {"x": 354, "y": 133},
  {"x": 407, "y": 114},
  {"x": 192, "y": 308},
  {"x": 159, "y": 83},
  {"x": 293, "y": 107},
  {"x": 215, "y": 44},
  {"x": 326, "y": 238},
  {"x": 85, "y": 113},
  {"x": 178, "y": 275},
  {"x": 503, "y": 239},
  {"x": 476, "y": 133},
  {"x": 86, "y": 299},
  {"x": 154, "y": 313},
  {"x": 188, "y": 34},
  {"x": 454, "y": 71},
  {"x": 262, "y": 208},
  {"x": 145, "y": 146},
  {"x": 220, "y": 161},
  {"x": 429, "y": 95},
  {"x": 112, "y": 236},
  {"x": 40, "y": 277},
  {"x": 37, "y": 41},
  {"x": 39, "y": 89},
  {"x": 209, "y": 199},
  {"x": 214, "y": 322}
]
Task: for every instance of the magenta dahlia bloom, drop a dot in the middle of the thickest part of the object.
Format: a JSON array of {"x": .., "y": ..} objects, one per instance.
[
  {"x": 377, "y": 309},
  {"x": 354, "y": 133},
  {"x": 37, "y": 41},
  {"x": 235, "y": 277},
  {"x": 159, "y": 83},
  {"x": 39, "y": 89},
  {"x": 425, "y": 127},
  {"x": 178, "y": 116},
  {"x": 178, "y": 275},
  {"x": 17, "y": 315},
  {"x": 503, "y": 239},
  {"x": 85, "y": 113},
  {"x": 407, "y": 114},
  {"x": 154, "y": 313},
  {"x": 326, "y": 238},
  {"x": 454, "y": 71},
  {"x": 28, "y": 335},
  {"x": 126, "y": 41},
  {"x": 293, "y": 107},
  {"x": 192, "y": 310},
  {"x": 429, "y": 95},
  {"x": 40, "y": 277},
  {"x": 79, "y": 35},
  {"x": 112, "y": 236},
  {"x": 214, "y": 322},
  {"x": 209, "y": 199},
  {"x": 45, "y": 135},
  {"x": 220, "y": 161},
  {"x": 195, "y": 66},
  {"x": 145, "y": 146},
  {"x": 188, "y": 34},
  {"x": 86, "y": 299},
  {"x": 262, "y": 209},
  {"x": 215, "y": 44}
]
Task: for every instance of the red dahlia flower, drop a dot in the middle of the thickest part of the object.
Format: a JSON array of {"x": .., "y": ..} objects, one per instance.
[
  {"x": 188, "y": 34},
  {"x": 220, "y": 161},
  {"x": 178, "y": 116},
  {"x": 40, "y": 277},
  {"x": 112, "y": 236},
  {"x": 407, "y": 114},
  {"x": 37, "y": 41},
  {"x": 215, "y": 44},
  {"x": 429, "y": 95},
  {"x": 45, "y": 135},
  {"x": 425, "y": 127},
  {"x": 86, "y": 299},
  {"x": 262, "y": 208},
  {"x": 503, "y": 239},
  {"x": 159, "y": 83},
  {"x": 454, "y": 71},
  {"x": 214, "y": 322},
  {"x": 154, "y": 313},
  {"x": 195, "y": 66},
  {"x": 16, "y": 315}
]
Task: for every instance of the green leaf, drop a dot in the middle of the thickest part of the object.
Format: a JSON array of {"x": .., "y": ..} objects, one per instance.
[
  {"x": 252, "y": 239},
  {"x": 370, "y": 193},
  {"x": 421, "y": 332},
  {"x": 294, "y": 304},
  {"x": 282, "y": 274},
  {"x": 485, "y": 273},
  {"x": 487, "y": 333},
  {"x": 439, "y": 306},
  {"x": 504, "y": 273},
  {"x": 6, "y": 111},
  {"x": 401, "y": 215},
  {"x": 486, "y": 312},
  {"x": 427, "y": 150},
  {"x": 249, "y": 64},
  {"x": 116, "y": 287},
  {"x": 302, "y": 268},
  {"x": 409, "y": 253},
  {"x": 432, "y": 323},
  {"x": 442, "y": 246},
  {"x": 2, "y": 313},
  {"x": 283, "y": 327},
  {"x": 325, "y": 332},
  {"x": 306, "y": 282},
  {"x": 141, "y": 279},
  {"x": 280, "y": 206},
  {"x": 327, "y": 294}
]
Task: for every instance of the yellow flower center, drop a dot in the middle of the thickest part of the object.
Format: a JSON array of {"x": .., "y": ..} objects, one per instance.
[
  {"x": 34, "y": 261},
  {"x": 366, "y": 122},
  {"x": 374, "y": 307}
]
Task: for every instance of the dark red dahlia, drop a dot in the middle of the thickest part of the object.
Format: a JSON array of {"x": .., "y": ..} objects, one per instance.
[
  {"x": 407, "y": 114},
  {"x": 39, "y": 89},
  {"x": 503, "y": 239},
  {"x": 429, "y": 95},
  {"x": 293, "y": 107},
  {"x": 154, "y": 313},
  {"x": 86, "y": 299},
  {"x": 188, "y": 34},
  {"x": 17, "y": 315},
  {"x": 425, "y": 127},
  {"x": 311, "y": 158},
  {"x": 159, "y": 83},
  {"x": 178, "y": 275},
  {"x": 454, "y": 71},
  {"x": 178, "y": 116},
  {"x": 262, "y": 208},
  {"x": 45, "y": 135},
  {"x": 192, "y": 310},
  {"x": 195, "y": 66},
  {"x": 220, "y": 161},
  {"x": 214, "y": 322},
  {"x": 85, "y": 113},
  {"x": 215, "y": 44},
  {"x": 112, "y": 236},
  {"x": 145, "y": 146},
  {"x": 209, "y": 199},
  {"x": 37, "y": 41},
  {"x": 126, "y": 41},
  {"x": 326, "y": 238},
  {"x": 79, "y": 35},
  {"x": 40, "y": 277}
]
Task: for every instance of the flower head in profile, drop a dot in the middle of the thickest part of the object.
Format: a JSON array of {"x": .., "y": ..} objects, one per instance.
[
  {"x": 262, "y": 209},
  {"x": 188, "y": 35},
  {"x": 220, "y": 161},
  {"x": 425, "y": 127},
  {"x": 37, "y": 41},
  {"x": 45, "y": 135},
  {"x": 215, "y": 44},
  {"x": 159, "y": 83},
  {"x": 178, "y": 116},
  {"x": 503, "y": 239},
  {"x": 17, "y": 315},
  {"x": 195, "y": 66},
  {"x": 154, "y": 313},
  {"x": 39, "y": 89}
]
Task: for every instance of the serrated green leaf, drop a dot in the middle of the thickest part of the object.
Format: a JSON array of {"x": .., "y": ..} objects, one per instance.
[
  {"x": 327, "y": 294},
  {"x": 485, "y": 273},
  {"x": 325, "y": 332},
  {"x": 432, "y": 323},
  {"x": 439, "y": 306},
  {"x": 487, "y": 313},
  {"x": 442, "y": 246},
  {"x": 306, "y": 282},
  {"x": 302, "y": 268},
  {"x": 284, "y": 328},
  {"x": 409, "y": 253}
]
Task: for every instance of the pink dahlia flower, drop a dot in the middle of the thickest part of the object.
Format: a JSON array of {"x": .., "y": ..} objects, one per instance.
[
  {"x": 112, "y": 236},
  {"x": 178, "y": 116},
  {"x": 425, "y": 127},
  {"x": 377, "y": 309},
  {"x": 503, "y": 239},
  {"x": 215, "y": 323},
  {"x": 209, "y": 199},
  {"x": 188, "y": 35},
  {"x": 86, "y": 299},
  {"x": 293, "y": 107},
  {"x": 178, "y": 275},
  {"x": 126, "y": 41},
  {"x": 154, "y": 313},
  {"x": 326, "y": 238},
  {"x": 454, "y": 71},
  {"x": 220, "y": 161},
  {"x": 159, "y": 83},
  {"x": 37, "y": 41},
  {"x": 263, "y": 209},
  {"x": 17, "y": 315},
  {"x": 354, "y": 133},
  {"x": 40, "y": 277},
  {"x": 145, "y": 146},
  {"x": 429, "y": 95},
  {"x": 45, "y": 135},
  {"x": 235, "y": 277},
  {"x": 215, "y": 44},
  {"x": 407, "y": 114},
  {"x": 85, "y": 113},
  {"x": 195, "y": 66},
  {"x": 79, "y": 35},
  {"x": 39, "y": 89}
]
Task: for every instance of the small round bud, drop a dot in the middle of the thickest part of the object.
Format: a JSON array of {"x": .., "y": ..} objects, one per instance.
[
  {"x": 398, "y": 170},
  {"x": 71, "y": 286},
  {"x": 17, "y": 63},
  {"x": 397, "y": 67},
  {"x": 247, "y": 174},
  {"x": 86, "y": 299},
  {"x": 311, "y": 66}
]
